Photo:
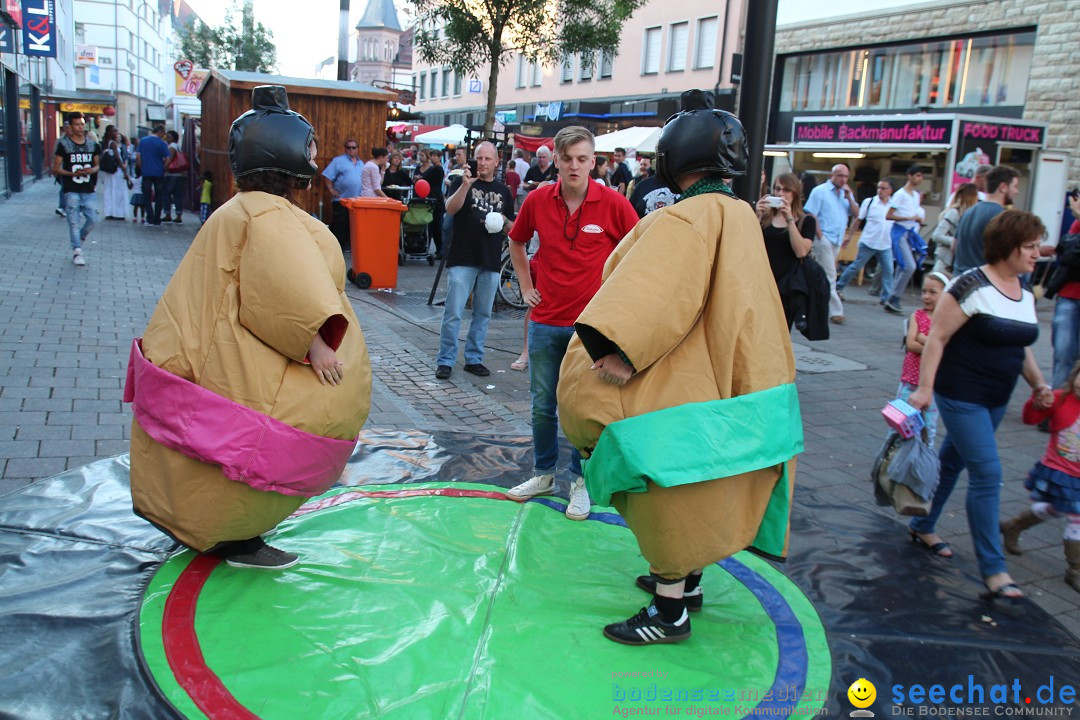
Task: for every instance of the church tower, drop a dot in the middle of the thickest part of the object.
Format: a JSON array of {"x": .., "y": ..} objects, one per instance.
[{"x": 378, "y": 37}]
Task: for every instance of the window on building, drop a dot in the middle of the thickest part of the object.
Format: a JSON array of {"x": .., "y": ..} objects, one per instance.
[
  {"x": 537, "y": 74},
  {"x": 705, "y": 56},
  {"x": 446, "y": 82},
  {"x": 957, "y": 73},
  {"x": 606, "y": 64},
  {"x": 586, "y": 60},
  {"x": 650, "y": 51},
  {"x": 521, "y": 70},
  {"x": 568, "y": 69},
  {"x": 422, "y": 84},
  {"x": 677, "y": 39},
  {"x": 457, "y": 84},
  {"x": 434, "y": 83}
]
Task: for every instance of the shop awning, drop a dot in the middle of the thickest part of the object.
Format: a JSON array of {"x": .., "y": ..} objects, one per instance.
[{"x": 859, "y": 147}]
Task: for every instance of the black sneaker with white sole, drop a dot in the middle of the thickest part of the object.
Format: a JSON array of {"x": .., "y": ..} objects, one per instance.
[
  {"x": 693, "y": 599},
  {"x": 256, "y": 554},
  {"x": 648, "y": 628}
]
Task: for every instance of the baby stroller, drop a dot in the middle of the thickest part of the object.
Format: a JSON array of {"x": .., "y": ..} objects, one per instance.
[{"x": 415, "y": 238}]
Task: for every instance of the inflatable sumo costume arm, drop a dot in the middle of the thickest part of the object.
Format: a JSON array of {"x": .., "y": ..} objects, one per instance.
[
  {"x": 287, "y": 293},
  {"x": 655, "y": 289}
]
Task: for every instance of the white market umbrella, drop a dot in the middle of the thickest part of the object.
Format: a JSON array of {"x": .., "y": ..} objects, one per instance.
[
  {"x": 643, "y": 139},
  {"x": 452, "y": 135}
]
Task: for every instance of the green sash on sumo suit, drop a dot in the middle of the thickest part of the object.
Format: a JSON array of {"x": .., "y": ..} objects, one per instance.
[{"x": 704, "y": 441}]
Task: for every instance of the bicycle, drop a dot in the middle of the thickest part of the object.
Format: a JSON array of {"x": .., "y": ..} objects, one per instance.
[{"x": 509, "y": 287}]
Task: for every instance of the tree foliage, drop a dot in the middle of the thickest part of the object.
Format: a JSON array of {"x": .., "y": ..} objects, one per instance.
[
  {"x": 229, "y": 47},
  {"x": 469, "y": 34}
]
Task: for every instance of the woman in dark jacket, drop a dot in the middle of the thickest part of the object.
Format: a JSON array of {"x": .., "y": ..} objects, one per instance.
[{"x": 788, "y": 232}]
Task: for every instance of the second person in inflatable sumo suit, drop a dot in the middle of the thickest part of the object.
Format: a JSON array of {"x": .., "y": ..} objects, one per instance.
[
  {"x": 252, "y": 380},
  {"x": 679, "y": 383}
]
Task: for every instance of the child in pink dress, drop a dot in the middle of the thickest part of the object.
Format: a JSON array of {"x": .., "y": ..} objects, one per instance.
[
  {"x": 1054, "y": 482},
  {"x": 918, "y": 329}
]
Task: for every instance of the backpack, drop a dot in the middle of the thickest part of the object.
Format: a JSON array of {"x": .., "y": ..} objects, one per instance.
[{"x": 108, "y": 163}]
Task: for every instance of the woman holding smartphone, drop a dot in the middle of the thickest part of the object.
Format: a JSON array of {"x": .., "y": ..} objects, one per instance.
[{"x": 788, "y": 232}]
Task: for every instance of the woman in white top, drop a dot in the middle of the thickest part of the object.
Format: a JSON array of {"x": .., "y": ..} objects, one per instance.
[
  {"x": 944, "y": 235},
  {"x": 118, "y": 182}
]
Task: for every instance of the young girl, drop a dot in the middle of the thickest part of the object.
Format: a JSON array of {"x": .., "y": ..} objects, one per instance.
[
  {"x": 1054, "y": 482},
  {"x": 206, "y": 198},
  {"x": 137, "y": 207},
  {"x": 918, "y": 329}
]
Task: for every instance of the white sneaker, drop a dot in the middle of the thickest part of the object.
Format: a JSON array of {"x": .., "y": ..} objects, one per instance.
[
  {"x": 78, "y": 258},
  {"x": 579, "y": 505},
  {"x": 536, "y": 485}
]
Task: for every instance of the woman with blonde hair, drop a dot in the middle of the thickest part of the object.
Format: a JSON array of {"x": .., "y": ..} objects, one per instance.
[
  {"x": 944, "y": 235},
  {"x": 788, "y": 232}
]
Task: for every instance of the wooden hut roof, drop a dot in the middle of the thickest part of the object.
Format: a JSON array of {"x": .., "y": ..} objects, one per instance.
[{"x": 240, "y": 80}]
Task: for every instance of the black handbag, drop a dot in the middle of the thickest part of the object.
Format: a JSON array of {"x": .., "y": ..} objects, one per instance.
[{"x": 1067, "y": 268}]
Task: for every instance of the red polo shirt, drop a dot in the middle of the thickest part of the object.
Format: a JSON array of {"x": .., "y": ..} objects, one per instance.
[{"x": 573, "y": 248}]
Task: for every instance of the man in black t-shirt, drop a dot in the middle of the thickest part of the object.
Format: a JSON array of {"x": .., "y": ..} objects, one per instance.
[
  {"x": 543, "y": 171},
  {"x": 75, "y": 162},
  {"x": 620, "y": 175},
  {"x": 650, "y": 194},
  {"x": 483, "y": 209}
]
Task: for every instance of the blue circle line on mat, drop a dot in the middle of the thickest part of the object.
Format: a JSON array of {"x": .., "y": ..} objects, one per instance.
[{"x": 790, "y": 680}]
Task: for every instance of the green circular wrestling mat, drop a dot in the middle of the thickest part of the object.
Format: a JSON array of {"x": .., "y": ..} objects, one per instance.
[{"x": 439, "y": 601}]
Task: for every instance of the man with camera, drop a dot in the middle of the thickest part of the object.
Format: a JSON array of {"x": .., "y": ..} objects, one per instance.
[{"x": 482, "y": 209}]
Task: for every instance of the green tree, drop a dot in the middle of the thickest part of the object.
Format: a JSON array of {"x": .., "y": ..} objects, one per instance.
[
  {"x": 468, "y": 34},
  {"x": 247, "y": 47}
]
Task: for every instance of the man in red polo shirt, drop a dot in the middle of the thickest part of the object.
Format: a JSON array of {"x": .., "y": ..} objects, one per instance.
[{"x": 579, "y": 222}]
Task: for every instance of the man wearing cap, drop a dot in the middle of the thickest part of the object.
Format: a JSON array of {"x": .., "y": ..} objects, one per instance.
[
  {"x": 682, "y": 397},
  {"x": 342, "y": 177},
  {"x": 252, "y": 380}
]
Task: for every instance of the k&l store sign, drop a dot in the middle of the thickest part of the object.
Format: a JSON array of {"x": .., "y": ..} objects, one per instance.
[{"x": 39, "y": 28}]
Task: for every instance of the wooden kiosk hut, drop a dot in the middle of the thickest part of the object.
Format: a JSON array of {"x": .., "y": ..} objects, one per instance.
[{"x": 337, "y": 109}]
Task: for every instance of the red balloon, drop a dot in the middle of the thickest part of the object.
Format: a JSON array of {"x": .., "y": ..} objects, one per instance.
[{"x": 422, "y": 188}]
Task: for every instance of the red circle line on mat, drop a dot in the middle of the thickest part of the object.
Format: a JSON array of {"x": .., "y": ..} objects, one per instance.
[
  {"x": 182, "y": 649},
  {"x": 181, "y": 643}
]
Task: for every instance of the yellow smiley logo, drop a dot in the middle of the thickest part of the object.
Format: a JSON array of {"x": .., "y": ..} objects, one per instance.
[{"x": 862, "y": 693}]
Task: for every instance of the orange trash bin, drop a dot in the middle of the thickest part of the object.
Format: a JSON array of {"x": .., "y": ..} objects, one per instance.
[{"x": 375, "y": 238}]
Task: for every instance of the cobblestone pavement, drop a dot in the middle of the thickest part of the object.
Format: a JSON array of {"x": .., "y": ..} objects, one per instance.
[{"x": 65, "y": 334}]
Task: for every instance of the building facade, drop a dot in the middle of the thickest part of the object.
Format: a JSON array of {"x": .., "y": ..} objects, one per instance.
[
  {"x": 666, "y": 49},
  {"x": 1004, "y": 58},
  {"x": 31, "y": 89},
  {"x": 124, "y": 50}
]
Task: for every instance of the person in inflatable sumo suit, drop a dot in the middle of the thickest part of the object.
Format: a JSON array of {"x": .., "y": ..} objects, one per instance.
[
  {"x": 252, "y": 380},
  {"x": 679, "y": 383}
]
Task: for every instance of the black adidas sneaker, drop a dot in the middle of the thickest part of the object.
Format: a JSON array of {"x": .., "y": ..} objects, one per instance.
[
  {"x": 648, "y": 628},
  {"x": 694, "y": 599}
]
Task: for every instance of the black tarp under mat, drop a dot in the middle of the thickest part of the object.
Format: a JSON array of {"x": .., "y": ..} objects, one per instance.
[{"x": 75, "y": 560}]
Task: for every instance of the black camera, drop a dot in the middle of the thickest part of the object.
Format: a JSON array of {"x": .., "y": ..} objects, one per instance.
[{"x": 472, "y": 167}]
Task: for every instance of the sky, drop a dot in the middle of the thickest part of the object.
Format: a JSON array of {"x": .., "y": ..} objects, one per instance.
[{"x": 306, "y": 32}]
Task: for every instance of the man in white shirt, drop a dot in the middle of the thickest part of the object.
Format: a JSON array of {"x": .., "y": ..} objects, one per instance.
[
  {"x": 909, "y": 248},
  {"x": 875, "y": 241}
]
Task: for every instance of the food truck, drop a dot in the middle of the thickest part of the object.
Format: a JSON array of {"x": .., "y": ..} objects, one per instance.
[{"x": 947, "y": 146}]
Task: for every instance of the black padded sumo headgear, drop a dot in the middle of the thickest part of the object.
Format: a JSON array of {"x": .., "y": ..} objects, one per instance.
[
  {"x": 700, "y": 139},
  {"x": 270, "y": 136}
]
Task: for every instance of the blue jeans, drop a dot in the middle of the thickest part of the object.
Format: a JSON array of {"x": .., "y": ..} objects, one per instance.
[
  {"x": 970, "y": 444},
  {"x": 462, "y": 281},
  {"x": 1065, "y": 338},
  {"x": 153, "y": 192},
  {"x": 902, "y": 242},
  {"x": 174, "y": 195},
  {"x": 884, "y": 261},
  {"x": 547, "y": 346},
  {"x": 81, "y": 215}
]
